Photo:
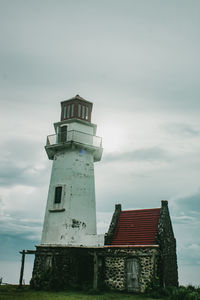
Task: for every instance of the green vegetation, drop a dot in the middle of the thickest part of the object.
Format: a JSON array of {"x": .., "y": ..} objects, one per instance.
[
  {"x": 11, "y": 292},
  {"x": 174, "y": 293}
]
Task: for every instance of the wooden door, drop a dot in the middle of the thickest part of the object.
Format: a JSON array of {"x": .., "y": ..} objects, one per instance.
[{"x": 132, "y": 274}]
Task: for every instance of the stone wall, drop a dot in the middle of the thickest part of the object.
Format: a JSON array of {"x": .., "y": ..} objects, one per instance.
[
  {"x": 73, "y": 267},
  {"x": 115, "y": 273},
  {"x": 168, "y": 269},
  {"x": 116, "y": 266},
  {"x": 62, "y": 268},
  {"x": 109, "y": 235}
]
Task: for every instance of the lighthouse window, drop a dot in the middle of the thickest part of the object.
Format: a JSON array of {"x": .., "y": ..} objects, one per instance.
[
  {"x": 58, "y": 194},
  {"x": 83, "y": 112},
  {"x": 79, "y": 110},
  {"x": 68, "y": 111},
  {"x": 64, "y": 114},
  {"x": 86, "y": 113},
  {"x": 72, "y": 110}
]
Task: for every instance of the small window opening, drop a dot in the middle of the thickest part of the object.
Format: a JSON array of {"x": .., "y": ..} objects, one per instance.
[
  {"x": 72, "y": 110},
  {"x": 79, "y": 110},
  {"x": 58, "y": 194},
  {"x": 83, "y": 112},
  {"x": 68, "y": 111},
  {"x": 64, "y": 115},
  {"x": 86, "y": 113}
]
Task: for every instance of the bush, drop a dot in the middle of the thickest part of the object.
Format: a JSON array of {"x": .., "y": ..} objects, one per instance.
[
  {"x": 173, "y": 293},
  {"x": 185, "y": 293},
  {"x": 192, "y": 296},
  {"x": 178, "y": 293}
]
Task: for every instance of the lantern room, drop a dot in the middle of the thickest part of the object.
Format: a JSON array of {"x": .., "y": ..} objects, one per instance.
[{"x": 76, "y": 108}]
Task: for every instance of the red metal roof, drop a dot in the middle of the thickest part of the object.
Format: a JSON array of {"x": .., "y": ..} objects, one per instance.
[{"x": 136, "y": 227}]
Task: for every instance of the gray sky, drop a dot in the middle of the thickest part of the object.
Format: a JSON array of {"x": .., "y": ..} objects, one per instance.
[{"x": 138, "y": 62}]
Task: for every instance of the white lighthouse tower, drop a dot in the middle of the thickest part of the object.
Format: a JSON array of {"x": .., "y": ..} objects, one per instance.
[{"x": 70, "y": 217}]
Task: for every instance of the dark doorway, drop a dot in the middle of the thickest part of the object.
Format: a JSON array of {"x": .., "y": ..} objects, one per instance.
[
  {"x": 62, "y": 136},
  {"x": 85, "y": 270}
]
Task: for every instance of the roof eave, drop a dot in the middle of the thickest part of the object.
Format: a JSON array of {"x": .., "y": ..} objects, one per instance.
[{"x": 131, "y": 246}]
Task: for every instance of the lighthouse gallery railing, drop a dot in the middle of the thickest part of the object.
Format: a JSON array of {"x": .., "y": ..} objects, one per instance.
[{"x": 74, "y": 136}]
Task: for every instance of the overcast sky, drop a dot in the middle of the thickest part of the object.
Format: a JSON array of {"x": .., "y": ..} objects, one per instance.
[{"x": 138, "y": 62}]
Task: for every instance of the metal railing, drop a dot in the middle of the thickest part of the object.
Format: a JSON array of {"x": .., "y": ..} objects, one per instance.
[{"x": 74, "y": 136}]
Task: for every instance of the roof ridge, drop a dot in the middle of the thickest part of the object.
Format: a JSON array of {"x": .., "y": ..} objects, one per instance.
[{"x": 141, "y": 209}]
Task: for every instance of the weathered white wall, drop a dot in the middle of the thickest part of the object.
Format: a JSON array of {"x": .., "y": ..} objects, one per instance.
[
  {"x": 72, "y": 169},
  {"x": 73, "y": 221},
  {"x": 78, "y": 125}
]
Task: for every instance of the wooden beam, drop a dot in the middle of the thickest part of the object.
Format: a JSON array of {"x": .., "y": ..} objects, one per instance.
[
  {"x": 22, "y": 267},
  {"x": 28, "y": 251}
]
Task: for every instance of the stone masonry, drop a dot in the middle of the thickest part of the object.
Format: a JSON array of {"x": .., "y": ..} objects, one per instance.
[
  {"x": 73, "y": 267},
  {"x": 115, "y": 266},
  {"x": 168, "y": 269}
]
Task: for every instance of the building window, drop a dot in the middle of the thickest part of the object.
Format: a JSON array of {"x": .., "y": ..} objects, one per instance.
[
  {"x": 64, "y": 114},
  {"x": 58, "y": 194},
  {"x": 83, "y": 112},
  {"x": 86, "y": 113},
  {"x": 79, "y": 110},
  {"x": 72, "y": 110},
  {"x": 68, "y": 111}
]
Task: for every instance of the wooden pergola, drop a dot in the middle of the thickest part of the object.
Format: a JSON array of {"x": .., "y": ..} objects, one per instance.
[{"x": 23, "y": 253}]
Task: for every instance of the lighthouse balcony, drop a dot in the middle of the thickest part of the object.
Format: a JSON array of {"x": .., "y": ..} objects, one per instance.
[{"x": 81, "y": 139}]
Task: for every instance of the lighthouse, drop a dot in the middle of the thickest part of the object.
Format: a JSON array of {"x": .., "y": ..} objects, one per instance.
[
  {"x": 70, "y": 217},
  {"x": 139, "y": 246}
]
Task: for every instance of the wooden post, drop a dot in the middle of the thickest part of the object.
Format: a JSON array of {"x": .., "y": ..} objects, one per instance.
[
  {"x": 95, "y": 278},
  {"x": 22, "y": 268}
]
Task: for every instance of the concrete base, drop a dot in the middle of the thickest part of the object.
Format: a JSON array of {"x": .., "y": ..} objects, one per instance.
[{"x": 87, "y": 240}]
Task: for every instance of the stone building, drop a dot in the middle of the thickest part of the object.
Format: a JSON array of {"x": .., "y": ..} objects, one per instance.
[
  {"x": 142, "y": 244},
  {"x": 139, "y": 246}
]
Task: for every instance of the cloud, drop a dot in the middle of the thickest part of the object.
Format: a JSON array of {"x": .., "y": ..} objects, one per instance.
[
  {"x": 147, "y": 155},
  {"x": 103, "y": 221},
  {"x": 17, "y": 234},
  {"x": 185, "y": 213},
  {"x": 11, "y": 174},
  {"x": 22, "y": 163},
  {"x": 156, "y": 53},
  {"x": 184, "y": 220},
  {"x": 15, "y": 226},
  {"x": 12, "y": 244},
  {"x": 181, "y": 129},
  {"x": 188, "y": 205},
  {"x": 189, "y": 253}
]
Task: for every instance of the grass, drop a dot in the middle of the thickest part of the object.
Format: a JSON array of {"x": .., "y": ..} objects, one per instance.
[{"x": 11, "y": 292}]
